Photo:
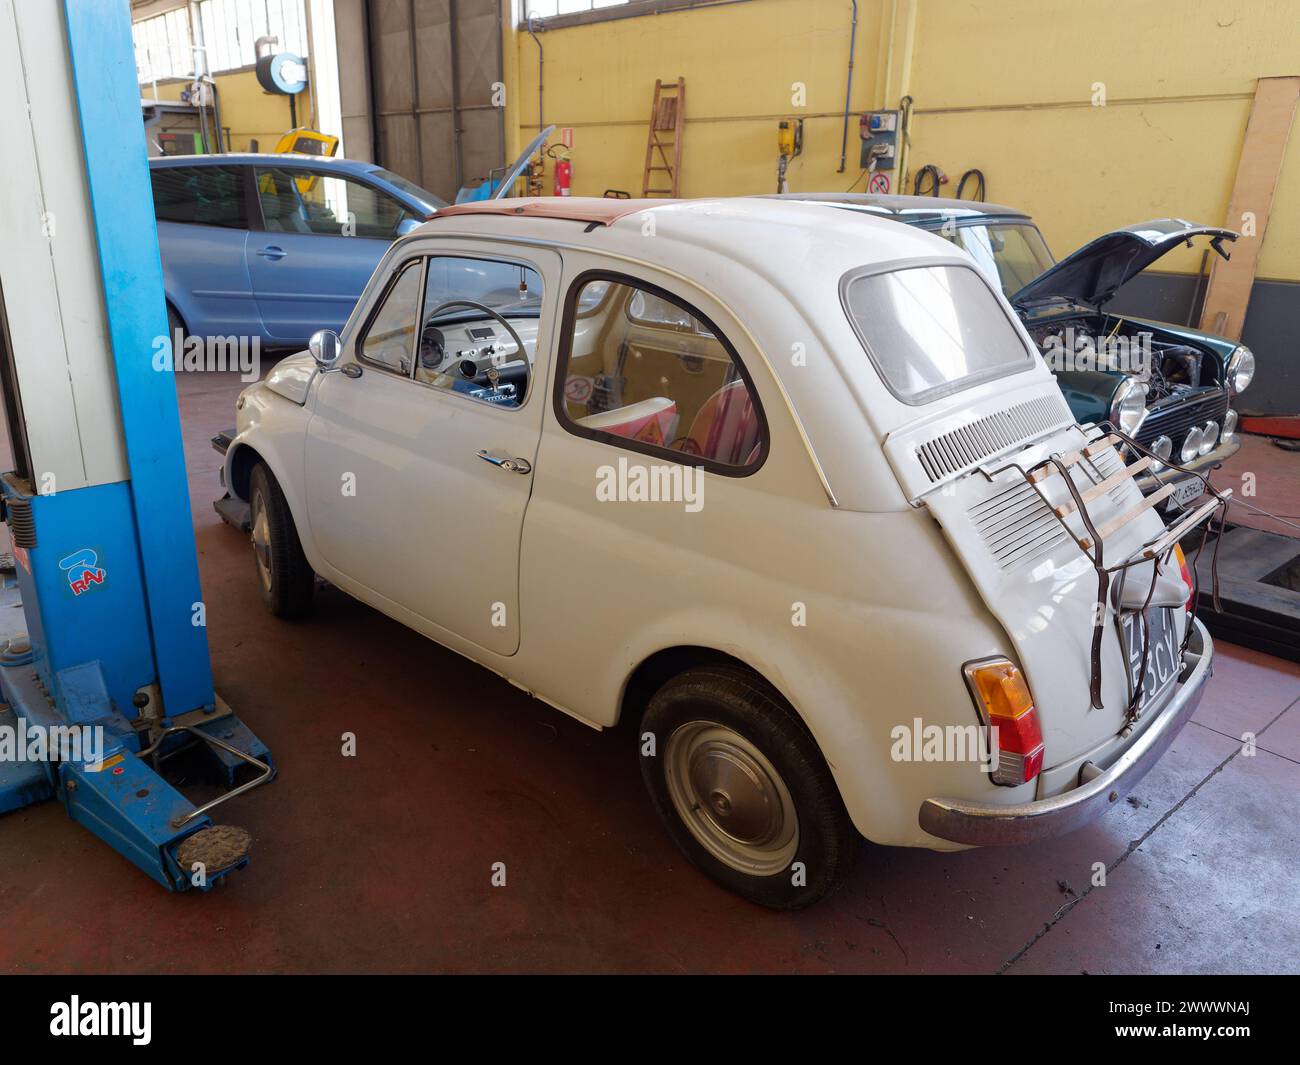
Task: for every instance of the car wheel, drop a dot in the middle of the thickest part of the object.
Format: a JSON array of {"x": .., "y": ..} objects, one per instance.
[
  {"x": 175, "y": 328},
  {"x": 284, "y": 575},
  {"x": 743, "y": 789}
]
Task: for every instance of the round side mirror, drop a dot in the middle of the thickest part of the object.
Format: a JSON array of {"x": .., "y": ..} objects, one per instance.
[{"x": 325, "y": 348}]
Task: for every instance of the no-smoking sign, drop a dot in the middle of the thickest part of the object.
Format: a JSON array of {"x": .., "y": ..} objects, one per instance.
[{"x": 878, "y": 183}]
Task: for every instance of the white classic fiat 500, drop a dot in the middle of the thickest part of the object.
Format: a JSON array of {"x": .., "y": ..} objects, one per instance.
[{"x": 795, "y": 493}]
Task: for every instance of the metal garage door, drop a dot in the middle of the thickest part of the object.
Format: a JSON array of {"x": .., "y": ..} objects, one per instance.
[{"x": 433, "y": 65}]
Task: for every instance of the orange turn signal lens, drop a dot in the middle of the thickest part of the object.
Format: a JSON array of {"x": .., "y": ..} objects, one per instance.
[
  {"x": 1187, "y": 573},
  {"x": 1007, "y": 706},
  {"x": 1001, "y": 689}
]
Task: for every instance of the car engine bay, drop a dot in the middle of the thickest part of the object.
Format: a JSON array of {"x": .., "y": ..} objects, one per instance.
[{"x": 1168, "y": 368}]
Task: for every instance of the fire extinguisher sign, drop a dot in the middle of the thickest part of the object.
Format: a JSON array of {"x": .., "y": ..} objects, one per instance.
[{"x": 566, "y": 136}]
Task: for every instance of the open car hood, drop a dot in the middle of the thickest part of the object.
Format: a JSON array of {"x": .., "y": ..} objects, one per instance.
[
  {"x": 1095, "y": 272},
  {"x": 517, "y": 167}
]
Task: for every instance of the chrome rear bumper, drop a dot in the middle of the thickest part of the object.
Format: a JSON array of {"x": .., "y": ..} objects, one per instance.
[{"x": 984, "y": 824}]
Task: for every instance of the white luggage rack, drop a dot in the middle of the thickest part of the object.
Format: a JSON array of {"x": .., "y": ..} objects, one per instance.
[{"x": 1091, "y": 536}]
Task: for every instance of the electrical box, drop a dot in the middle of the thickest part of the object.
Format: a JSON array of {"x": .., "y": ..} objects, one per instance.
[{"x": 879, "y": 132}]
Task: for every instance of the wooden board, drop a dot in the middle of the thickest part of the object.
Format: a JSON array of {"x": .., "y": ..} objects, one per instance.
[
  {"x": 1228, "y": 294},
  {"x": 1070, "y": 458},
  {"x": 1119, "y": 521},
  {"x": 1102, "y": 487}
]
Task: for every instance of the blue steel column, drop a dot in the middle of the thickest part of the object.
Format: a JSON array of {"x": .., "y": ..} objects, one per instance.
[{"x": 108, "y": 99}]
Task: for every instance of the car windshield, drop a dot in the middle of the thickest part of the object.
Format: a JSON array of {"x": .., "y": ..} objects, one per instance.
[
  {"x": 411, "y": 189},
  {"x": 511, "y": 289},
  {"x": 932, "y": 330},
  {"x": 1011, "y": 254}
]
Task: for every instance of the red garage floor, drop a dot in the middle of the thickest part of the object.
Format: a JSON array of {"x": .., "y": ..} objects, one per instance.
[{"x": 382, "y": 862}]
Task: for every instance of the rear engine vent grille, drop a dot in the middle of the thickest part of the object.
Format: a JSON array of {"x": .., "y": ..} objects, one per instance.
[
  {"x": 1017, "y": 526},
  {"x": 994, "y": 433},
  {"x": 1101, "y": 466}
]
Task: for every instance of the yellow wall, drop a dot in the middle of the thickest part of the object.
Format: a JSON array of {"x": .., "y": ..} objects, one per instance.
[
  {"x": 247, "y": 110},
  {"x": 1003, "y": 85}
]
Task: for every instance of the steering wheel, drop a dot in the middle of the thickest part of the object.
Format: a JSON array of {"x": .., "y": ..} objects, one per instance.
[{"x": 519, "y": 343}]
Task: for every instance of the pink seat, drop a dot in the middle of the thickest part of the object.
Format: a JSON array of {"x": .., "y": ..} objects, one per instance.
[{"x": 726, "y": 427}]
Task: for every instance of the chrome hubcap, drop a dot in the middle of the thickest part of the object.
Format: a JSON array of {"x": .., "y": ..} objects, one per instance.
[
  {"x": 261, "y": 541},
  {"x": 731, "y": 798}
]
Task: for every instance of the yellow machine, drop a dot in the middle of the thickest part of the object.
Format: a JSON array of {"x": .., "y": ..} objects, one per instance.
[
  {"x": 303, "y": 141},
  {"x": 789, "y": 144},
  {"x": 308, "y": 142}
]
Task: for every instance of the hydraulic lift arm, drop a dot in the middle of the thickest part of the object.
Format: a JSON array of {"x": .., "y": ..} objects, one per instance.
[{"x": 105, "y": 671}]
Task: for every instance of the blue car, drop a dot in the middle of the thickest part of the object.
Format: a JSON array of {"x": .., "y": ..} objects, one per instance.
[{"x": 274, "y": 246}]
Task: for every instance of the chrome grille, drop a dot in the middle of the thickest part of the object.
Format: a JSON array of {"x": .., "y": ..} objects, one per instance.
[
  {"x": 1174, "y": 420},
  {"x": 971, "y": 444}
]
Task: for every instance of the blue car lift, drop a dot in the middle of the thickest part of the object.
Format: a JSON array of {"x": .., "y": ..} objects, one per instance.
[{"x": 104, "y": 671}]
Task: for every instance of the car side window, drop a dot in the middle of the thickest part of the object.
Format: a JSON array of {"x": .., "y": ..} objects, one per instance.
[
  {"x": 389, "y": 339},
  {"x": 478, "y": 336},
  {"x": 199, "y": 195},
  {"x": 299, "y": 201},
  {"x": 647, "y": 371}
]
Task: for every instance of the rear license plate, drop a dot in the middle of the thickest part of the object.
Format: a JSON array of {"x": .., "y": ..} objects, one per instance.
[
  {"x": 1185, "y": 494},
  {"x": 1162, "y": 655}
]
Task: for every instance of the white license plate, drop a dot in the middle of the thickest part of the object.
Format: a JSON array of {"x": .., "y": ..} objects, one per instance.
[
  {"x": 1162, "y": 654},
  {"x": 1185, "y": 494}
]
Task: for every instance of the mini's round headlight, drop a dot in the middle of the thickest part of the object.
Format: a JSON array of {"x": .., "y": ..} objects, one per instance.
[
  {"x": 1209, "y": 437},
  {"x": 1241, "y": 369},
  {"x": 1128, "y": 408},
  {"x": 1163, "y": 447},
  {"x": 1229, "y": 426},
  {"x": 1192, "y": 445}
]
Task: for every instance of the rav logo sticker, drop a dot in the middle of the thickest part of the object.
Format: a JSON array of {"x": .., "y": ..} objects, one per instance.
[{"x": 83, "y": 570}]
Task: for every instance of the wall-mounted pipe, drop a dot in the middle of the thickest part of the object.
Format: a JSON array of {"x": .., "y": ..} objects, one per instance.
[
  {"x": 372, "y": 89},
  {"x": 540, "y": 59},
  {"x": 848, "y": 91}
]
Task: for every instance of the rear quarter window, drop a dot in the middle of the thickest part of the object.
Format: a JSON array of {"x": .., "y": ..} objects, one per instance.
[{"x": 642, "y": 369}]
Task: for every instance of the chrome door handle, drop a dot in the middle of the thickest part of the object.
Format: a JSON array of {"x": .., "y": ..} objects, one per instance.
[
  {"x": 272, "y": 251},
  {"x": 513, "y": 465}
]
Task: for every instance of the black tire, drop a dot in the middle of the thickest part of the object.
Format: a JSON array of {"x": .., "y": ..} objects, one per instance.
[
  {"x": 284, "y": 575},
  {"x": 175, "y": 327},
  {"x": 691, "y": 718}
]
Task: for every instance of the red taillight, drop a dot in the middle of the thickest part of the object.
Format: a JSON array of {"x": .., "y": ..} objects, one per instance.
[
  {"x": 1187, "y": 575},
  {"x": 1007, "y": 706}
]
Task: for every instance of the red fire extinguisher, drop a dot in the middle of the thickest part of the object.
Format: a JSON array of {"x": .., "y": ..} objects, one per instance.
[{"x": 563, "y": 170}]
